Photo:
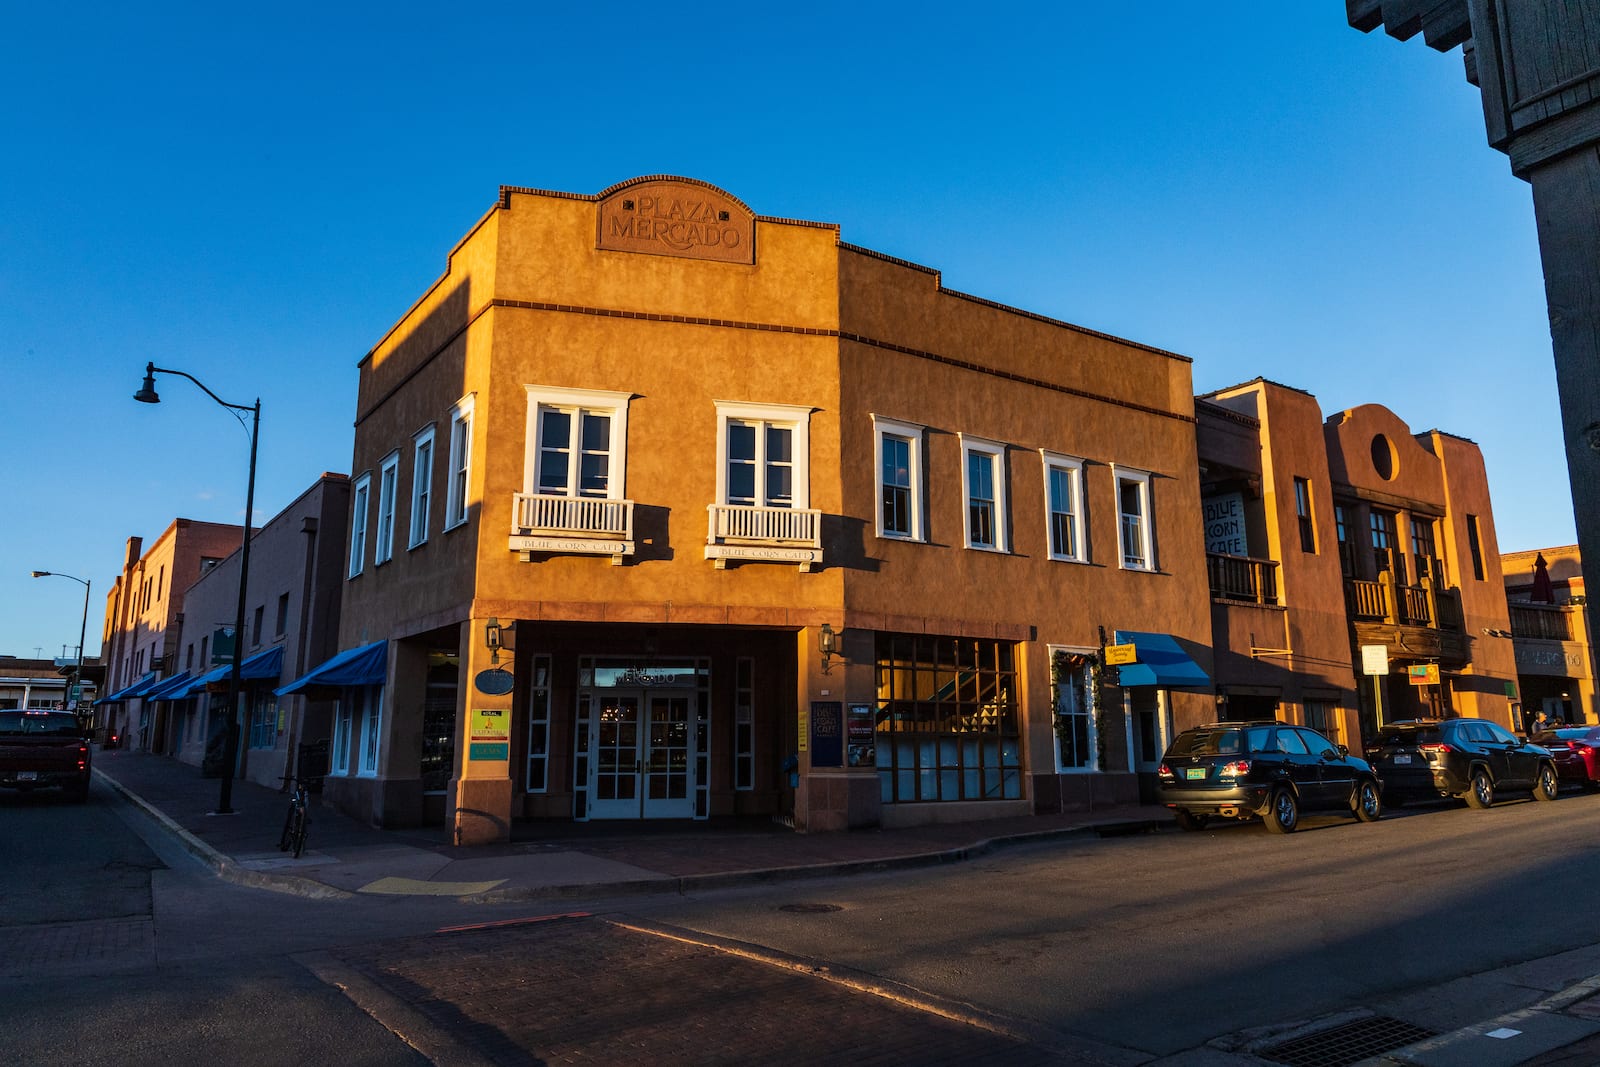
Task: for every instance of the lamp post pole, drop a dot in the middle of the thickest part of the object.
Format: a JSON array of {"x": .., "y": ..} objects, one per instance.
[
  {"x": 230, "y": 747},
  {"x": 83, "y": 629}
]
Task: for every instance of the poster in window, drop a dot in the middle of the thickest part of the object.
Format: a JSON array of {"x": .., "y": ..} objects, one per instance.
[
  {"x": 827, "y": 733},
  {"x": 862, "y": 735}
]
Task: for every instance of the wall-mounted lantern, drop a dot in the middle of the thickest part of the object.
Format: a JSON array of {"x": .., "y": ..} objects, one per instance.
[{"x": 828, "y": 643}]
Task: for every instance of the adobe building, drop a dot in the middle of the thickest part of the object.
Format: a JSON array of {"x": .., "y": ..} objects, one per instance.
[
  {"x": 1550, "y": 635},
  {"x": 291, "y": 624},
  {"x": 1366, "y": 558},
  {"x": 662, "y": 508},
  {"x": 140, "y": 635}
]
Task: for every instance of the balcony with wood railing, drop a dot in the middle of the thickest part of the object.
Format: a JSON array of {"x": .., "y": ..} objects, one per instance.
[
  {"x": 1415, "y": 619},
  {"x": 1543, "y": 622},
  {"x": 745, "y": 533},
  {"x": 564, "y": 525},
  {"x": 1242, "y": 578}
]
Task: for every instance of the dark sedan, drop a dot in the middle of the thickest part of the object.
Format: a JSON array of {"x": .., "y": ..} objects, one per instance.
[
  {"x": 1238, "y": 770},
  {"x": 1473, "y": 759},
  {"x": 1577, "y": 753}
]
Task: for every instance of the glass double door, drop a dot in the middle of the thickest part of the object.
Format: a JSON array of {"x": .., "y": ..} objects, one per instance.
[{"x": 641, "y": 757}]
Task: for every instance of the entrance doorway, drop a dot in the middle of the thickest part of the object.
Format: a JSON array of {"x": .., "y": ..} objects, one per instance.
[{"x": 642, "y": 758}]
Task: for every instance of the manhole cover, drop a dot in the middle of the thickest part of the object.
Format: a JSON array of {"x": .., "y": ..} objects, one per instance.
[
  {"x": 810, "y": 909},
  {"x": 1344, "y": 1045}
]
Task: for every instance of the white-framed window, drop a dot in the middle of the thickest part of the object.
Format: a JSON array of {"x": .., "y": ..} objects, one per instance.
[
  {"x": 360, "y": 497},
  {"x": 371, "y": 708},
  {"x": 983, "y": 487},
  {"x": 1135, "y": 519},
  {"x": 577, "y": 442},
  {"x": 264, "y": 720},
  {"x": 421, "y": 484},
  {"x": 744, "y": 723},
  {"x": 1063, "y": 495},
  {"x": 763, "y": 455},
  {"x": 343, "y": 723},
  {"x": 1072, "y": 685},
  {"x": 455, "y": 503},
  {"x": 388, "y": 489},
  {"x": 538, "y": 774},
  {"x": 897, "y": 456}
]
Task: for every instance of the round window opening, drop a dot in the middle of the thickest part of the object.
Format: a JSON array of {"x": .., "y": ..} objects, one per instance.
[{"x": 1383, "y": 457}]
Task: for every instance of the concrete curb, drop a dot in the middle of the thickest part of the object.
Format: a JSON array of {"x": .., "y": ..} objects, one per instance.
[{"x": 224, "y": 867}]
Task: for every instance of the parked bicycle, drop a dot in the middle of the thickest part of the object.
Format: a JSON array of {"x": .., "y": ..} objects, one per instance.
[{"x": 298, "y": 820}]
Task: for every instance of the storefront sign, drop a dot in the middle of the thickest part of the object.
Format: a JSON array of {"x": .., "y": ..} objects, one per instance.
[
  {"x": 1224, "y": 521},
  {"x": 1423, "y": 673},
  {"x": 489, "y": 750},
  {"x": 1374, "y": 659},
  {"x": 495, "y": 682},
  {"x": 1117, "y": 655},
  {"x": 490, "y": 724},
  {"x": 862, "y": 734},
  {"x": 677, "y": 218},
  {"x": 827, "y": 733}
]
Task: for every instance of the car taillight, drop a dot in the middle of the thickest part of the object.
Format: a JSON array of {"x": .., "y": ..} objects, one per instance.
[
  {"x": 1164, "y": 771},
  {"x": 1237, "y": 769},
  {"x": 83, "y": 756},
  {"x": 1440, "y": 748}
]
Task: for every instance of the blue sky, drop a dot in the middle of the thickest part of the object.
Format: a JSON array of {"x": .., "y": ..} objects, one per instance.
[{"x": 255, "y": 195}]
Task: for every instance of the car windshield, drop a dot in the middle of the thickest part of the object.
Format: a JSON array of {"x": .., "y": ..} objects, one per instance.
[
  {"x": 37, "y": 723},
  {"x": 1407, "y": 735},
  {"x": 1218, "y": 742}
]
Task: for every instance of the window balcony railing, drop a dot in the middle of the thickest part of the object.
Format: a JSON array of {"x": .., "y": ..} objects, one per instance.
[
  {"x": 1405, "y": 605},
  {"x": 776, "y": 535},
  {"x": 546, "y": 523},
  {"x": 1548, "y": 623},
  {"x": 1242, "y": 578}
]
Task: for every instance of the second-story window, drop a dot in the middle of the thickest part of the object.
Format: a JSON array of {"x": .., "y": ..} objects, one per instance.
[
  {"x": 1384, "y": 555},
  {"x": 359, "y": 498},
  {"x": 1135, "y": 521},
  {"x": 1347, "y": 552},
  {"x": 459, "y": 485},
  {"x": 388, "y": 487},
  {"x": 1063, "y": 486},
  {"x": 1302, "y": 512},
  {"x": 1475, "y": 546},
  {"x": 984, "y": 487},
  {"x": 421, "y": 484},
  {"x": 1424, "y": 556},
  {"x": 898, "y": 449},
  {"x": 763, "y": 456},
  {"x": 577, "y": 442}
]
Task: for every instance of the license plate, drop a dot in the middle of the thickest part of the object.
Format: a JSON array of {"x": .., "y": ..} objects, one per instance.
[
  {"x": 1193, "y": 773},
  {"x": 27, "y": 776},
  {"x": 1402, "y": 759}
]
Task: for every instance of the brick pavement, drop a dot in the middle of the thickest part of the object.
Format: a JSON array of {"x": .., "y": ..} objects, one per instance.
[{"x": 586, "y": 990}]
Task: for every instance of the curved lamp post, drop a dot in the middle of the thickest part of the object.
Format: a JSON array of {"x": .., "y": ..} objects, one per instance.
[
  {"x": 83, "y": 628},
  {"x": 230, "y": 750}
]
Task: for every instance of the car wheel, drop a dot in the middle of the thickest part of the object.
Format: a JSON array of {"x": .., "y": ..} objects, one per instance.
[
  {"x": 1369, "y": 802},
  {"x": 1188, "y": 820},
  {"x": 1548, "y": 785},
  {"x": 1283, "y": 813},
  {"x": 1481, "y": 795}
]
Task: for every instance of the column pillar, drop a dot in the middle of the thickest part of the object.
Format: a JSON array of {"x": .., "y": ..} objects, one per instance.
[{"x": 480, "y": 794}]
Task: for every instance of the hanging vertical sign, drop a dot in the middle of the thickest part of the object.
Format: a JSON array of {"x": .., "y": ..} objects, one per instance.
[
  {"x": 827, "y": 733},
  {"x": 862, "y": 734}
]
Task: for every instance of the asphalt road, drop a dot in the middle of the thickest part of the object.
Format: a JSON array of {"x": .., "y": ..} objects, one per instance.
[{"x": 117, "y": 947}]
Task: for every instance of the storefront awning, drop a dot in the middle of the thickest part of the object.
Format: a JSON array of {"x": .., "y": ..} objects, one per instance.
[
  {"x": 137, "y": 689},
  {"x": 366, "y": 665},
  {"x": 262, "y": 666},
  {"x": 169, "y": 688},
  {"x": 1162, "y": 663}
]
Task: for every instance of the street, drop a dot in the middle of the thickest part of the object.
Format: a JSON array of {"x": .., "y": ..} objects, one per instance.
[{"x": 124, "y": 949}]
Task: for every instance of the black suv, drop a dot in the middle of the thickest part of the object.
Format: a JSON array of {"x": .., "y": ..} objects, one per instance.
[
  {"x": 1424, "y": 759},
  {"x": 1235, "y": 770}
]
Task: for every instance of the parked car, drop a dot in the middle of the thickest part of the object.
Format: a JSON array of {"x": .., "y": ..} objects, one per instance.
[
  {"x": 1576, "y": 750},
  {"x": 1239, "y": 770},
  {"x": 40, "y": 748},
  {"x": 1474, "y": 759}
]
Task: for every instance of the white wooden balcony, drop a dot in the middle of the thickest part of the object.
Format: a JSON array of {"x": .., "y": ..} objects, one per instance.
[
  {"x": 764, "y": 535},
  {"x": 571, "y": 525}
]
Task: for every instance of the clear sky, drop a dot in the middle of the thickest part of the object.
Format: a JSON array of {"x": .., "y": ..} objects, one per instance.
[{"x": 254, "y": 195}]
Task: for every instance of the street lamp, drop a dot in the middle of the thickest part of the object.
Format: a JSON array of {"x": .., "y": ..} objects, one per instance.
[
  {"x": 74, "y": 690},
  {"x": 230, "y": 744}
]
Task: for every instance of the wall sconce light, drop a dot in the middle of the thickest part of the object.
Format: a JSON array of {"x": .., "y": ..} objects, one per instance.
[
  {"x": 828, "y": 643},
  {"x": 491, "y": 637}
]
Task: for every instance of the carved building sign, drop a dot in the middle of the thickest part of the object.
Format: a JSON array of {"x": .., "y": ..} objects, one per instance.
[{"x": 677, "y": 218}]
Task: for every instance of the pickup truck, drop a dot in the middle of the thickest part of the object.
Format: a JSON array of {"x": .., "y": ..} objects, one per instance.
[{"x": 40, "y": 748}]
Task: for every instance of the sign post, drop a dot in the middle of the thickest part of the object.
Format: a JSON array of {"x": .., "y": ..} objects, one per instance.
[{"x": 1375, "y": 662}]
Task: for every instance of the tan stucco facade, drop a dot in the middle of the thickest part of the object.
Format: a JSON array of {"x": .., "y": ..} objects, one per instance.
[{"x": 681, "y": 328}]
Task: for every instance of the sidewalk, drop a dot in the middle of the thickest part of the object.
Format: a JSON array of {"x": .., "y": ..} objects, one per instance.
[{"x": 545, "y": 860}]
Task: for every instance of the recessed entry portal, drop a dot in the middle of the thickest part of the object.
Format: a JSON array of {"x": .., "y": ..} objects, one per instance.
[{"x": 642, "y": 738}]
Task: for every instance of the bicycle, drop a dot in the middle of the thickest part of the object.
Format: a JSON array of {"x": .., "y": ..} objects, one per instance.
[{"x": 298, "y": 820}]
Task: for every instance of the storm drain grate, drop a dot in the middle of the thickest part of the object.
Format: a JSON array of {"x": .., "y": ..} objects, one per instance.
[{"x": 1347, "y": 1044}]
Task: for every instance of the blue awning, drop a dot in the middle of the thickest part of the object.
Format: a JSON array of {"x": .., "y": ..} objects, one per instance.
[
  {"x": 367, "y": 665},
  {"x": 1162, "y": 663},
  {"x": 169, "y": 688},
  {"x": 263, "y": 666},
  {"x": 139, "y": 688}
]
